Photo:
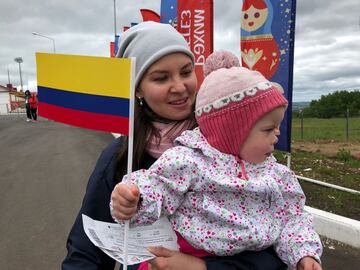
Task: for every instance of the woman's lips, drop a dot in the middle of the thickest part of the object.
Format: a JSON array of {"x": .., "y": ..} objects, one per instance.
[{"x": 179, "y": 102}]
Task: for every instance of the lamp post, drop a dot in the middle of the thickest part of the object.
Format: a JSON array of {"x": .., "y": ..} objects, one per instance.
[
  {"x": 115, "y": 18},
  {"x": 8, "y": 74},
  {"x": 40, "y": 35},
  {"x": 19, "y": 60}
]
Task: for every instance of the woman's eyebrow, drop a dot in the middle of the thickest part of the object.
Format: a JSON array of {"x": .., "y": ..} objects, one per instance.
[
  {"x": 156, "y": 72},
  {"x": 164, "y": 71},
  {"x": 187, "y": 65}
]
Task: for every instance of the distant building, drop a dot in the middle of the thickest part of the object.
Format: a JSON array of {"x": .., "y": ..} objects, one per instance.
[
  {"x": 11, "y": 100},
  {"x": 4, "y": 100}
]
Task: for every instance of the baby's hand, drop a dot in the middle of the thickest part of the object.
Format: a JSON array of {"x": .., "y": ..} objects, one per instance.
[
  {"x": 124, "y": 200},
  {"x": 308, "y": 263}
]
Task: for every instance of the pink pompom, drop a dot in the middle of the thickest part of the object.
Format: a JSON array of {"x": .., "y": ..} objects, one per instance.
[{"x": 220, "y": 59}]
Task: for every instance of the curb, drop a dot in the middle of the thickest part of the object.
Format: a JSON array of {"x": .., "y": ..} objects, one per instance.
[{"x": 342, "y": 229}]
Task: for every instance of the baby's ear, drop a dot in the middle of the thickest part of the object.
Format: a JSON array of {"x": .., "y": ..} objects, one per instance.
[{"x": 278, "y": 87}]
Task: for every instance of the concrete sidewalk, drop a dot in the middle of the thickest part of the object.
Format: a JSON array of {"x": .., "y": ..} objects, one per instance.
[{"x": 44, "y": 169}]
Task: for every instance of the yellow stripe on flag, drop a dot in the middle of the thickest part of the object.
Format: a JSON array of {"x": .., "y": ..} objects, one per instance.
[{"x": 85, "y": 74}]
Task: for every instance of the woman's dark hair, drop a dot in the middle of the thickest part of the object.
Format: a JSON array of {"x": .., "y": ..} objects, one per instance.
[{"x": 143, "y": 131}]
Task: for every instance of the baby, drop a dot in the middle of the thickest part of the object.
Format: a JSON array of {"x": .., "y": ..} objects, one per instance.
[{"x": 220, "y": 186}]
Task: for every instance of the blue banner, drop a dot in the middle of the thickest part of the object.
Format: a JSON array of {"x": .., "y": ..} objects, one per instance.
[
  {"x": 267, "y": 45},
  {"x": 168, "y": 12},
  {"x": 116, "y": 44}
]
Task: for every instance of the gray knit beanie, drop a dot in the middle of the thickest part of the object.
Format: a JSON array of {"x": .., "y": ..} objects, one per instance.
[{"x": 148, "y": 42}]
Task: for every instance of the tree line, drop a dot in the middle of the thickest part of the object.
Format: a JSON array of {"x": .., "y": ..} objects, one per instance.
[{"x": 337, "y": 104}]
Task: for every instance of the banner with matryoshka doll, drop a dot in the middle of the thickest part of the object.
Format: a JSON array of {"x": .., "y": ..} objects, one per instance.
[{"x": 267, "y": 45}]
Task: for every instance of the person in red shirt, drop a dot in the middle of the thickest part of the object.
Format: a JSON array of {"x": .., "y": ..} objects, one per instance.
[{"x": 33, "y": 106}]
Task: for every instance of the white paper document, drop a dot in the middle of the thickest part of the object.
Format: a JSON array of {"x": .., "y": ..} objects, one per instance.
[{"x": 109, "y": 237}]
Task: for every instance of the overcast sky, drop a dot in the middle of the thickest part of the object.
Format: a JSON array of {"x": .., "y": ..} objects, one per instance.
[{"x": 327, "y": 37}]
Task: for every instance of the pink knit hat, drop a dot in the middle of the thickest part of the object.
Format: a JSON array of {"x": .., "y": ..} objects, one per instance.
[{"x": 231, "y": 100}]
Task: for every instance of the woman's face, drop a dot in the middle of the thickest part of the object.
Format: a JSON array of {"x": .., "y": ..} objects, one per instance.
[{"x": 169, "y": 86}]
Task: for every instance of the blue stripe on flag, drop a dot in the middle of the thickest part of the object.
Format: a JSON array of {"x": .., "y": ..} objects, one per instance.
[{"x": 84, "y": 102}]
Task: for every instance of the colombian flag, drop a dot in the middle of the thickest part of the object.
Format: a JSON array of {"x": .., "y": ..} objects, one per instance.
[{"x": 85, "y": 91}]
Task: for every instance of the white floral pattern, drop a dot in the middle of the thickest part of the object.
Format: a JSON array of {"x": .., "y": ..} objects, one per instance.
[{"x": 200, "y": 190}]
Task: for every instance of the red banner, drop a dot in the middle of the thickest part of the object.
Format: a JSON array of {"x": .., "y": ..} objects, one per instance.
[
  {"x": 195, "y": 23},
  {"x": 267, "y": 45},
  {"x": 112, "y": 49},
  {"x": 149, "y": 15}
]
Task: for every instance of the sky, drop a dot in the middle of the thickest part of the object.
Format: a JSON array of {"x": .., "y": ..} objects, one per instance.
[{"x": 327, "y": 37}]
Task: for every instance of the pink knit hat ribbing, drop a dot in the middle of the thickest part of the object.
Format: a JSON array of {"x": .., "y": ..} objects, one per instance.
[{"x": 231, "y": 100}]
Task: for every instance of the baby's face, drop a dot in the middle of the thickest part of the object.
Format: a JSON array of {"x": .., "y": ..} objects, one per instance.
[
  {"x": 253, "y": 18},
  {"x": 263, "y": 136}
]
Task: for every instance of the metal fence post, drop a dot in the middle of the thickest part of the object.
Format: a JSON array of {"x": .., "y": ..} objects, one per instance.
[
  {"x": 347, "y": 124},
  {"x": 302, "y": 124}
]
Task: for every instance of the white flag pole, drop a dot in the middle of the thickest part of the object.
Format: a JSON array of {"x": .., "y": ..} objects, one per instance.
[{"x": 130, "y": 152}]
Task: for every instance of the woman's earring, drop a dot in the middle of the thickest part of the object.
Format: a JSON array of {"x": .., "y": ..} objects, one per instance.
[{"x": 140, "y": 99}]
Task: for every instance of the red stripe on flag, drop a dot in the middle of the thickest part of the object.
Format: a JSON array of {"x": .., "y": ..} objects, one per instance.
[{"x": 95, "y": 121}]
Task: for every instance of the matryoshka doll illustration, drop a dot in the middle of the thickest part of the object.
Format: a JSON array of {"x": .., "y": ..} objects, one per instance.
[{"x": 259, "y": 50}]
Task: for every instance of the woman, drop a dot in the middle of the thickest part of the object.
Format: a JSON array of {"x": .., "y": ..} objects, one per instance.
[
  {"x": 27, "y": 106},
  {"x": 33, "y": 106},
  {"x": 165, "y": 86}
]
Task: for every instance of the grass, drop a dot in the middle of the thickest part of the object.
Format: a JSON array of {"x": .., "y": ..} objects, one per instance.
[
  {"x": 323, "y": 168},
  {"x": 326, "y": 129},
  {"x": 330, "y": 170}
]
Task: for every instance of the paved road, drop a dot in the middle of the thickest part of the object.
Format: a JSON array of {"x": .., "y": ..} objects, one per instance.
[{"x": 44, "y": 168}]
